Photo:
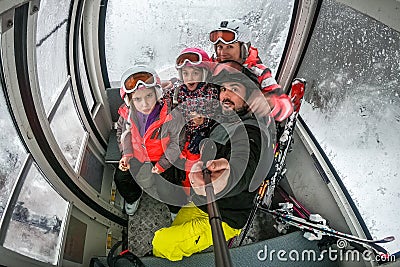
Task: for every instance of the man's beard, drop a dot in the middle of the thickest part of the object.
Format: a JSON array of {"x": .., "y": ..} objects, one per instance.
[
  {"x": 228, "y": 112},
  {"x": 233, "y": 111}
]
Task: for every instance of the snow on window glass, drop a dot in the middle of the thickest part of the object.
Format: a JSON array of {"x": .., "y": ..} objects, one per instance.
[
  {"x": 37, "y": 219},
  {"x": 154, "y": 32},
  {"x": 12, "y": 154},
  {"x": 67, "y": 129},
  {"x": 51, "y": 46},
  {"x": 352, "y": 107},
  {"x": 52, "y": 14}
]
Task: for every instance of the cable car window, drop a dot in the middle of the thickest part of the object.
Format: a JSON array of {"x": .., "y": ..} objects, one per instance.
[
  {"x": 84, "y": 79},
  {"x": 353, "y": 109},
  {"x": 92, "y": 170},
  {"x": 67, "y": 129},
  {"x": 12, "y": 154},
  {"x": 158, "y": 31},
  {"x": 51, "y": 46},
  {"x": 35, "y": 229}
]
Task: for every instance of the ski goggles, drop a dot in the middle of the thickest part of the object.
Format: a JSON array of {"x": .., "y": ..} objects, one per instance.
[
  {"x": 226, "y": 36},
  {"x": 229, "y": 67},
  {"x": 146, "y": 79},
  {"x": 192, "y": 58}
]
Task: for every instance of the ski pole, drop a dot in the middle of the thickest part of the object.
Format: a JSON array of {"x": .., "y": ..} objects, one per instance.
[
  {"x": 297, "y": 206},
  {"x": 257, "y": 202}
]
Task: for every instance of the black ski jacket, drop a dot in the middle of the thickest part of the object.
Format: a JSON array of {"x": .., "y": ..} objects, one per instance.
[{"x": 243, "y": 143}]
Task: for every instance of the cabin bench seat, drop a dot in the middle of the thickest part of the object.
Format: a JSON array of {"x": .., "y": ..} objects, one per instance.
[
  {"x": 113, "y": 155},
  {"x": 254, "y": 255}
]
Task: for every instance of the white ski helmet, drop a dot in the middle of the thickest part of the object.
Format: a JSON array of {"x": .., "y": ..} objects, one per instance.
[
  {"x": 241, "y": 33},
  {"x": 140, "y": 75}
]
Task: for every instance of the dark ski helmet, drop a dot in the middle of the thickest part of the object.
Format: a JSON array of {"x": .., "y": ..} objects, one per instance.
[{"x": 233, "y": 71}]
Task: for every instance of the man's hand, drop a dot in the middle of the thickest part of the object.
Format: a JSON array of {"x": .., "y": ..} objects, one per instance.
[
  {"x": 124, "y": 164},
  {"x": 155, "y": 170},
  {"x": 196, "y": 118},
  {"x": 259, "y": 104},
  {"x": 220, "y": 171}
]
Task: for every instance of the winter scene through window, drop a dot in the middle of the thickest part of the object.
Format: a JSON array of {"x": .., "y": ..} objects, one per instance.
[{"x": 353, "y": 108}]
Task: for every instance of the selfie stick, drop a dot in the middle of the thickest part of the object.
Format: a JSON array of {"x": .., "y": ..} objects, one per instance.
[{"x": 222, "y": 256}]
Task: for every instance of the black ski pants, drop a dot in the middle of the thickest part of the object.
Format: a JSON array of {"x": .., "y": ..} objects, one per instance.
[{"x": 127, "y": 186}]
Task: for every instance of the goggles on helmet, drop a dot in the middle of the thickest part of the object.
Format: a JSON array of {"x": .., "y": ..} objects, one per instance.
[
  {"x": 193, "y": 58},
  {"x": 229, "y": 67},
  {"x": 226, "y": 36},
  {"x": 146, "y": 79}
]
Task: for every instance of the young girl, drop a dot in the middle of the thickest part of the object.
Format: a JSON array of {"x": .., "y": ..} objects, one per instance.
[
  {"x": 146, "y": 133},
  {"x": 193, "y": 98}
]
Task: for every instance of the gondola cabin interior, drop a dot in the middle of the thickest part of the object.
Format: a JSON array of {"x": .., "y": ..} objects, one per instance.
[{"x": 61, "y": 64}]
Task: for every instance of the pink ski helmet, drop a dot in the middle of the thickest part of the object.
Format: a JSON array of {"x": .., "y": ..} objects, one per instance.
[{"x": 193, "y": 57}]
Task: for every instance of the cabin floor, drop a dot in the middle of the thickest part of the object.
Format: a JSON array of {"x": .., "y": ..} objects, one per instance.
[{"x": 153, "y": 215}]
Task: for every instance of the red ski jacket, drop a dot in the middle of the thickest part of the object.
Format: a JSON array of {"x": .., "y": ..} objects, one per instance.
[
  {"x": 159, "y": 144},
  {"x": 283, "y": 106}
]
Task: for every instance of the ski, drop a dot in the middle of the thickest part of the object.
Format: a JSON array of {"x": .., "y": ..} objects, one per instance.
[
  {"x": 267, "y": 188},
  {"x": 305, "y": 214},
  {"x": 315, "y": 227},
  {"x": 285, "y": 141},
  {"x": 297, "y": 206}
]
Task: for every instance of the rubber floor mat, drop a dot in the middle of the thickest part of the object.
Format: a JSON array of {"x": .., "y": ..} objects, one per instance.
[{"x": 150, "y": 217}]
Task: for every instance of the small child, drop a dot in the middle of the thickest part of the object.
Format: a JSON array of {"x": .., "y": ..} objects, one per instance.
[
  {"x": 140, "y": 135},
  {"x": 193, "y": 98}
]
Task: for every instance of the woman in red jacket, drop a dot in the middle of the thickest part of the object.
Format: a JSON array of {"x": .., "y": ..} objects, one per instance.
[{"x": 231, "y": 41}]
